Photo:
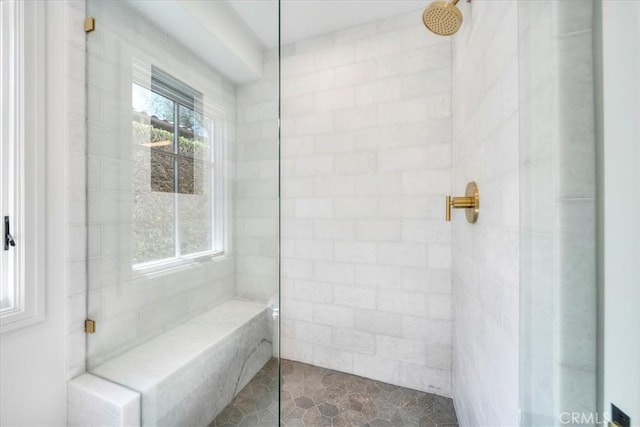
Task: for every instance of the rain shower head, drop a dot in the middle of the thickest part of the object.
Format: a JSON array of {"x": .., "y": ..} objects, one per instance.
[{"x": 442, "y": 17}]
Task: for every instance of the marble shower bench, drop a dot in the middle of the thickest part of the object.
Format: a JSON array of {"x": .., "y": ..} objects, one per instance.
[{"x": 183, "y": 377}]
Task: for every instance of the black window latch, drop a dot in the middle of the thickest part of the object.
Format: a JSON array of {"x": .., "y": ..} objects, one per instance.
[{"x": 8, "y": 239}]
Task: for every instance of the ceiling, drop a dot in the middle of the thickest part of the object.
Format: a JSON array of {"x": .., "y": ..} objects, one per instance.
[
  {"x": 231, "y": 35},
  {"x": 213, "y": 31},
  {"x": 302, "y": 19}
]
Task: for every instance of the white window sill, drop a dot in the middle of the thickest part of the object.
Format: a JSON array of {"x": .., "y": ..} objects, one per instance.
[{"x": 154, "y": 268}]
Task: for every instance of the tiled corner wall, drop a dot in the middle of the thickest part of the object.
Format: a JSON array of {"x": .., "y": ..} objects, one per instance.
[
  {"x": 256, "y": 213},
  {"x": 485, "y": 254},
  {"x": 130, "y": 309},
  {"x": 558, "y": 223},
  {"x": 366, "y": 255}
]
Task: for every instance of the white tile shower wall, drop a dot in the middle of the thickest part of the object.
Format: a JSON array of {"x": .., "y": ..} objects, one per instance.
[
  {"x": 256, "y": 215},
  {"x": 536, "y": 88},
  {"x": 558, "y": 301},
  {"x": 128, "y": 308},
  {"x": 366, "y": 253},
  {"x": 485, "y": 254}
]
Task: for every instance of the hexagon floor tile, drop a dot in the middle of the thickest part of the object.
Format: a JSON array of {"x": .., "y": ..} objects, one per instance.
[{"x": 313, "y": 396}]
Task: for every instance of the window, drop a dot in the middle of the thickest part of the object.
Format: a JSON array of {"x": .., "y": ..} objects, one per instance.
[
  {"x": 179, "y": 206},
  {"x": 21, "y": 164}
]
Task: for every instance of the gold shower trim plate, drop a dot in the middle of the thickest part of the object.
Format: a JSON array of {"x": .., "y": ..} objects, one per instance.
[{"x": 470, "y": 203}]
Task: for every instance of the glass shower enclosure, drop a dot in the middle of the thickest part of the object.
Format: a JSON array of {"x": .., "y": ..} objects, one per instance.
[
  {"x": 558, "y": 283},
  {"x": 182, "y": 206},
  {"x": 184, "y": 168}
]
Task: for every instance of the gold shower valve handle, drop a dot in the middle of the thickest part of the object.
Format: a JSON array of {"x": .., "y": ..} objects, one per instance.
[{"x": 470, "y": 203}]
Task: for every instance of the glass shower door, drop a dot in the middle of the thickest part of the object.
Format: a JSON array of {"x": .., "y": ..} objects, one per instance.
[
  {"x": 558, "y": 304},
  {"x": 182, "y": 207}
]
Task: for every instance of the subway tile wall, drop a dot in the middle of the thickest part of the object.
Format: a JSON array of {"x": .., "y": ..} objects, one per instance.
[
  {"x": 366, "y": 156},
  {"x": 256, "y": 214},
  {"x": 486, "y": 254}
]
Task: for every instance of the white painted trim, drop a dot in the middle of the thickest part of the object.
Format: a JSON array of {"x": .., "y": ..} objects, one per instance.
[
  {"x": 177, "y": 263},
  {"x": 29, "y": 212}
]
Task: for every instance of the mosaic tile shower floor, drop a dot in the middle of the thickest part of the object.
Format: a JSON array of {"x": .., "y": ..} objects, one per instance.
[{"x": 313, "y": 396}]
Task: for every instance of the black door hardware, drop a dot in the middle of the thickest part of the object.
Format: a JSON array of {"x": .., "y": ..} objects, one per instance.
[{"x": 8, "y": 239}]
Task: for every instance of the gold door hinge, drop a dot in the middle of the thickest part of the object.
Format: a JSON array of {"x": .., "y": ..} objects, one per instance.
[
  {"x": 90, "y": 326},
  {"x": 89, "y": 24}
]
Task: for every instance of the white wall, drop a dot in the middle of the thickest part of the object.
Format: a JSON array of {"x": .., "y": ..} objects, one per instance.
[
  {"x": 365, "y": 166},
  {"x": 620, "y": 204},
  {"x": 33, "y": 360},
  {"x": 485, "y": 254}
]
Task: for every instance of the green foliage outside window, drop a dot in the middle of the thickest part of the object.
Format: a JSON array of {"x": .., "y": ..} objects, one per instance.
[{"x": 154, "y": 188}]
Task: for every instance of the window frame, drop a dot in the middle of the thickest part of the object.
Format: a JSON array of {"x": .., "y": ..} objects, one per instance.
[
  {"x": 23, "y": 133},
  {"x": 218, "y": 162},
  {"x": 182, "y": 96}
]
